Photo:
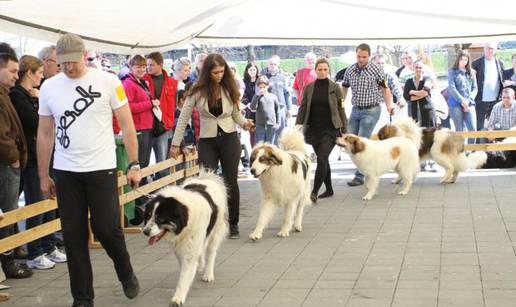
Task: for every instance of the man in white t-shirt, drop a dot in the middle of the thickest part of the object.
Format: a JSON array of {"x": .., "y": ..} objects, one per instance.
[{"x": 76, "y": 106}]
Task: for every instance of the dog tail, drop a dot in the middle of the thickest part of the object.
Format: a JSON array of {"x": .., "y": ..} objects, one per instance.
[
  {"x": 410, "y": 129},
  {"x": 474, "y": 160},
  {"x": 292, "y": 140},
  {"x": 477, "y": 159}
]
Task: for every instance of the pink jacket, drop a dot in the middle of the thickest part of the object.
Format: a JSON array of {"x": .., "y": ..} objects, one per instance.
[{"x": 139, "y": 102}]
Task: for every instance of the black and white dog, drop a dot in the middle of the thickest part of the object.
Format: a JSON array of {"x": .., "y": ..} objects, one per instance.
[{"x": 194, "y": 216}]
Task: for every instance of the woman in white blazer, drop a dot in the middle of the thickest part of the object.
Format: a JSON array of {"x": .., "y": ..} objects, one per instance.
[{"x": 217, "y": 98}]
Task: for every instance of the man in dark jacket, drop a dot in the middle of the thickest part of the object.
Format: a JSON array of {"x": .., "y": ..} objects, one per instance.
[
  {"x": 13, "y": 154},
  {"x": 489, "y": 78}
]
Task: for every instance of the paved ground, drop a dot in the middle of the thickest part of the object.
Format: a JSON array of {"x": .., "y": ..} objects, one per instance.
[{"x": 450, "y": 245}]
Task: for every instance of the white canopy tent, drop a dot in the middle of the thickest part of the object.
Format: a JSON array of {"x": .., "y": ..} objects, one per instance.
[{"x": 132, "y": 26}]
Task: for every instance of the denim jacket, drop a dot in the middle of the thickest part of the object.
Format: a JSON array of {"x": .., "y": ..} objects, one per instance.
[{"x": 461, "y": 86}]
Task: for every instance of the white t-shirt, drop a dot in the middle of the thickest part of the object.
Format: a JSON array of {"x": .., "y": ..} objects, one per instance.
[
  {"x": 82, "y": 110},
  {"x": 491, "y": 84}
]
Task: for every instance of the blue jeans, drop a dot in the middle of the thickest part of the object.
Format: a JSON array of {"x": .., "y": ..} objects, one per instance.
[
  {"x": 282, "y": 112},
  {"x": 33, "y": 194},
  {"x": 9, "y": 189},
  {"x": 460, "y": 118},
  {"x": 160, "y": 147},
  {"x": 265, "y": 133},
  {"x": 361, "y": 122}
]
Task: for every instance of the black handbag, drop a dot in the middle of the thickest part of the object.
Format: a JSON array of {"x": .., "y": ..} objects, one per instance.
[{"x": 158, "y": 127}]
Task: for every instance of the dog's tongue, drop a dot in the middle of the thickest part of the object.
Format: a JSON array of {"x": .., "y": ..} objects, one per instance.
[{"x": 156, "y": 238}]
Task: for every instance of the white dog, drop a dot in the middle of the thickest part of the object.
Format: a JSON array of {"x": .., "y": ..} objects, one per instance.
[
  {"x": 194, "y": 216},
  {"x": 444, "y": 146},
  {"x": 285, "y": 180},
  {"x": 375, "y": 158}
]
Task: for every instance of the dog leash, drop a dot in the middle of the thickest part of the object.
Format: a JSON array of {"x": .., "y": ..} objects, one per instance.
[{"x": 149, "y": 196}]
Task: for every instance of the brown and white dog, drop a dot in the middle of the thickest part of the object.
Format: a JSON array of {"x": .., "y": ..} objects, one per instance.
[
  {"x": 284, "y": 175},
  {"x": 444, "y": 146},
  {"x": 375, "y": 158}
]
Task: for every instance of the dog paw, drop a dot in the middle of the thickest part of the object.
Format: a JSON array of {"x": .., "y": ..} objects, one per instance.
[
  {"x": 298, "y": 228},
  {"x": 208, "y": 278},
  {"x": 367, "y": 197},
  {"x": 176, "y": 301},
  {"x": 255, "y": 236},
  {"x": 446, "y": 180},
  {"x": 283, "y": 234},
  {"x": 402, "y": 192}
]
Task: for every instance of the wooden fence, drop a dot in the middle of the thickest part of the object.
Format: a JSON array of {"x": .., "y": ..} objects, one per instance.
[{"x": 190, "y": 168}]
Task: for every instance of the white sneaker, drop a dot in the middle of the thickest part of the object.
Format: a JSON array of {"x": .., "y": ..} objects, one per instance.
[
  {"x": 57, "y": 256},
  {"x": 41, "y": 263}
]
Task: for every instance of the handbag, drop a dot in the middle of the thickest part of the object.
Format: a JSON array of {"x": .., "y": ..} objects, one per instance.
[{"x": 158, "y": 127}]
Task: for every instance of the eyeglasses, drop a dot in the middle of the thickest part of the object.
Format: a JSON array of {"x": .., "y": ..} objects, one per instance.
[{"x": 51, "y": 60}]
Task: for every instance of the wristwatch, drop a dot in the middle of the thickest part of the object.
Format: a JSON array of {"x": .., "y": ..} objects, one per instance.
[{"x": 135, "y": 166}]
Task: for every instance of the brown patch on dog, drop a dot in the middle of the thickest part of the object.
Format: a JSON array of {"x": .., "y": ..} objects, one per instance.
[
  {"x": 427, "y": 141},
  {"x": 387, "y": 131},
  {"x": 356, "y": 144},
  {"x": 270, "y": 157},
  {"x": 395, "y": 152},
  {"x": 453, "y": 144}
]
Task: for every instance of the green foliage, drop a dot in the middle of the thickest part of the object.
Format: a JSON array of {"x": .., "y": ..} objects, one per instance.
[
  {"x": 506, "y": 57},
  {"x": 439, "y": 60}
]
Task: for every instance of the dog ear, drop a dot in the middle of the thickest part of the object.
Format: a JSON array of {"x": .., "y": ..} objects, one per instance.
[
  {"x": 356, "y": 144},
  {"x": 276, "y": 158}
]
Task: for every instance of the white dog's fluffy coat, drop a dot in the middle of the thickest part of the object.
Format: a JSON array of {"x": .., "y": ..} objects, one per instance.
[
  {"x": 375, "y": 158},
  {"x": 444, "y": 146},
  {"x": 284, "y": 175},
  {"x": 194, "y": 216}
]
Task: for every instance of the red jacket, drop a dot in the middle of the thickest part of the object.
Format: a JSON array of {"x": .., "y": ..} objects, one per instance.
[
  {"x": 139, "y": 102},
  {"x": 167, "y": 98}
]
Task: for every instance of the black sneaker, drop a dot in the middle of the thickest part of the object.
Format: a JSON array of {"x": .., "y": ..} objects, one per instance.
[
  {"x": 326, "y": 194},
  {"x": 234, "y": 233},
  {"x": 17, "y": 271},
  {"x": 131, "y": 287},
  {"x": 355, "y": 182}
]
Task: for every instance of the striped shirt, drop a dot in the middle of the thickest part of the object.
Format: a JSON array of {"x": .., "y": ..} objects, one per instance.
[
  {"x": 502, "y": 118},
  {"x": 365, "y": 84}
]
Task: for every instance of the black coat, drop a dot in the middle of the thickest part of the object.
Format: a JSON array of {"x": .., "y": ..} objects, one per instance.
[
  {"x": 27, "y": 108},
  {"x": 478, "y": 66}
]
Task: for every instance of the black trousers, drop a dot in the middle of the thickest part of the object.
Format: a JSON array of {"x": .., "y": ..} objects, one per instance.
[
  {"x": 225, "y": 147},
  {"x": 96, "y": 191},
  {"x": 322, "y": 148}
]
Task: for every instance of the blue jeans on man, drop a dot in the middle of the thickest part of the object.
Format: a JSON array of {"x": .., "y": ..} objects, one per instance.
[
  {"x": 32, "y": 193},
  {"x": 9, "y": 189},
  {"x": 265, "y": 133},
  {"x": 160, "y": 145},
  {"x": 362, "y": 122}
]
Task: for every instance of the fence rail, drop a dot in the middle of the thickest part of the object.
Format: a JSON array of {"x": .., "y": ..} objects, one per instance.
[{"x": 190, "y": 168}]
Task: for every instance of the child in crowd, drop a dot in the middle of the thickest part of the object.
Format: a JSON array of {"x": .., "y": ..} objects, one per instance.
[
  {"x": 192, "y": 129},
  {"x": 266, "y": 106}
]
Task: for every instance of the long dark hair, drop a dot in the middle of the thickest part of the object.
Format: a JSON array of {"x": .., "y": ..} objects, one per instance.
[
  {"x": 247, "y": 77},
  {"x": 460, "y": 54},
  {"x": 205, "y": 86}
]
